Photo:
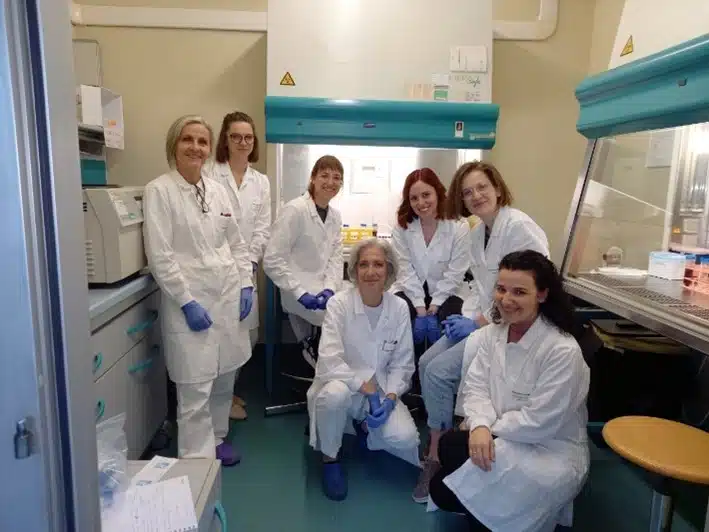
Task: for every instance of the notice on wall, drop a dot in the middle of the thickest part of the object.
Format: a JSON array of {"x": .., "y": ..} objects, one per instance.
[{"x": 466, "y": 87}]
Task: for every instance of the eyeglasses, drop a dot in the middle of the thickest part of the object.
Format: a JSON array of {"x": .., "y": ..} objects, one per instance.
[{"x": 238, "y": 139}]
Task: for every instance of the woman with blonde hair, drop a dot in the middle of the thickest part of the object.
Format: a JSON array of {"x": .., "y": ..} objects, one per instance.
[{"x": 200, "y": 261}]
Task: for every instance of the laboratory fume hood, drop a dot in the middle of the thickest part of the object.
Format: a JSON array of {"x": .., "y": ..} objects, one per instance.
[
  {"x": 384, "y": 102},
  {"x": 638, "y": 228}
]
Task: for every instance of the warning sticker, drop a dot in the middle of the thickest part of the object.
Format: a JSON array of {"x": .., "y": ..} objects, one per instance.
[
  {"x": 628, "y": 48},
  {"x": 287, "y": 80}
]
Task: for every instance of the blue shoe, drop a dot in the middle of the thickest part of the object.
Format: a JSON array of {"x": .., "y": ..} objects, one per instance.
[
  {"x": 361, "y": 434},
  {"x": 334, "y": 483}
]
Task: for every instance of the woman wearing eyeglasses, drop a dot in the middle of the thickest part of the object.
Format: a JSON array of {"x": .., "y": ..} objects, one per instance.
[
  {"x": 250, "y": 194},
  {"x": 200, "y": 261}
]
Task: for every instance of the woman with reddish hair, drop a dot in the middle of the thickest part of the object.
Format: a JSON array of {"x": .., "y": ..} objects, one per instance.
[{"x": 433, "y": 252}]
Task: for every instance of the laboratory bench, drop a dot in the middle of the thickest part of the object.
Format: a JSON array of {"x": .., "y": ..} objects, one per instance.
[
  {"x": 205, "y": 484},
  {"x": 127, "y": 359}
]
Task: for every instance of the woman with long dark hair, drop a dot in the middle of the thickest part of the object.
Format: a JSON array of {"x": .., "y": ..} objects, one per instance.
[{"x": 523, "y": 454}]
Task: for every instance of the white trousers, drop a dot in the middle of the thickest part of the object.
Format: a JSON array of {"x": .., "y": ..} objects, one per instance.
[
  {"x": 203, "y": 416},
  {"x": 336, "y": 406}
]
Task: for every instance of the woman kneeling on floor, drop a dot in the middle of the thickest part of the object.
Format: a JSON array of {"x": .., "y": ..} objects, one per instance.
[
  {"x": 525, "y": 455},
  {"x": 365, "y": 365}
]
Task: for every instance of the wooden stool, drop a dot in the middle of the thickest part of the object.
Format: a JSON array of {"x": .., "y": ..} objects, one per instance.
[{"x": 666, "y": 449}]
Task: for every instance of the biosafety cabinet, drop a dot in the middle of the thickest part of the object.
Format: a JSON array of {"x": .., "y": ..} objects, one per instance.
[
  {"x": 387, "y": 87},
  {"x": 638, "y": 229}
]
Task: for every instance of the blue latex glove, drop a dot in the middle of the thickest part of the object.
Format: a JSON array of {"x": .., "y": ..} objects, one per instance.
[
  {"x": 309, "y": 301},
  {"x": 448, "y": 324},
  {"x": 433, "y": 329},
  {"x": 374, "y": 402},
  {"x": 247, "y": 300},
  {"x": 420, "y": 326},
  {"x": 323, "y": 298},
  {"x": 197, "y": 317},
  {"x": 460, "y": 328},
  {"x": 381, "y": 414}
]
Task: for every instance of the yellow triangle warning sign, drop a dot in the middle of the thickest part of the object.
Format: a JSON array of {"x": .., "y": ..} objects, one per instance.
[
  {"x": 628, "y": 48},
  {"x": 288, "y": 80}
]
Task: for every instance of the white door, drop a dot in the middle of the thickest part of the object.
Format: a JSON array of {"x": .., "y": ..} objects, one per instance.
[{"x": 45, "y": 374}]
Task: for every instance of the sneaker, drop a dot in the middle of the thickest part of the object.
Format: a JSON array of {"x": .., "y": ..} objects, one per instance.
[
  {"x": 228, "y": 454},
  {"x": 334, "y": 482},
  {"x": 430, "y": 468},
  {"x": 237, "y": 412}
]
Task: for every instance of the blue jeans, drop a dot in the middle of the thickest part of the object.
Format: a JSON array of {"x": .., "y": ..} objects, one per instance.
[{"x": 439, "y": 370}]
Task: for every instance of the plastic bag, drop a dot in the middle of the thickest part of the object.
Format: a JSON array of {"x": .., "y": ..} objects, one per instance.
[{"x": 112, "y": 451}]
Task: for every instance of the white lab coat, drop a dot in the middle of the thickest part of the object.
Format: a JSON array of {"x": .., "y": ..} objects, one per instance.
[
  {"x": 511, "y": 231},
  {"x": 442, "y": 264},
  {"x": 252, "y": 200},
  {"x": 201, "y": 257},
  {"x": 352, "y": 352},
  {"x": 532, "y": 396},
  {"x": 304, "y": 255}
]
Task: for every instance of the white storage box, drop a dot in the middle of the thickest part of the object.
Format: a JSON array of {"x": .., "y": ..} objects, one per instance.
[
  {"x": 99, "y": 108},
  {"x": 667, "y": 265}
]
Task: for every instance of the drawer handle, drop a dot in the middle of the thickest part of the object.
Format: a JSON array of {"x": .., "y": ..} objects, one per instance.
[
  {"x": 140, "y": 366},
  {"x": 221, "y": 514},
  {"x": 98, "y": 360},
  {"x": 144, "y": 325},
  {"x": 100, "y": 409}
]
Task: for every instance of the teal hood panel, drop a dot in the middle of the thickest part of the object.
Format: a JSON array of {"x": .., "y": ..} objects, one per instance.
[
  {"x": 666, "y": 89},
  {"x": 398, "y": 123}
]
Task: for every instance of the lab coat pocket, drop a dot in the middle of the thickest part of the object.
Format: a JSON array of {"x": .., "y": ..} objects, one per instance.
[
  {"x": 520, "y": 394},
  {"x": 389, "y": 346}
]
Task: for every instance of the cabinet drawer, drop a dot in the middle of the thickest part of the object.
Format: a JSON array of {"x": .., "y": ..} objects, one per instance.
[
  {"x": 118, "y": 336},
  {"x": 134, "y": 385}
]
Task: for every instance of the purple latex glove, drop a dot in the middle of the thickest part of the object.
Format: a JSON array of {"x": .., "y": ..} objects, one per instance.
[
  {"x": 309, "y": 301},
  {"x": 196, "y": 316},
  {"x": 247, "y": 301},
  {"x": 323, "y": 298}
]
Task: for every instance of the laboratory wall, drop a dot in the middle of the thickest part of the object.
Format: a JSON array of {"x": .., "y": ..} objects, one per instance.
[
  {"x": 538, "y": 149},
  {"x": 606, "y": 18},
  {"x": 164, "y": 73}
]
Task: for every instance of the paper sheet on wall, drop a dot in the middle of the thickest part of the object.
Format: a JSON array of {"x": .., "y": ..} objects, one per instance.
[
  {"x": 165, "y": 506},
  {"x": 466, "y": 87}
]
